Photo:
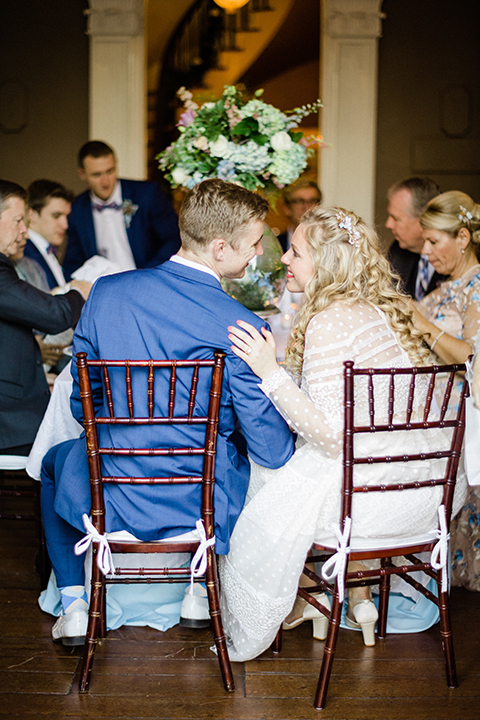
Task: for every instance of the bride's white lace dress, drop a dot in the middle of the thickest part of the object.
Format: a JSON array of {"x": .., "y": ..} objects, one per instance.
[{"x": 290, "y": 507}]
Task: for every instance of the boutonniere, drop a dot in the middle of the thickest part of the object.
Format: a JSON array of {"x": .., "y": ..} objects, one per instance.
[{"x": 129, "y": 209}]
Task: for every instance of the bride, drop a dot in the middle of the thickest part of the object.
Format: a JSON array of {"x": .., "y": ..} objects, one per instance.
[{"x": 351, "y": 312}]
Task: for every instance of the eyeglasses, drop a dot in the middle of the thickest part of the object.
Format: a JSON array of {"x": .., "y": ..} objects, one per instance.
[{"x": 301, "y": 201}]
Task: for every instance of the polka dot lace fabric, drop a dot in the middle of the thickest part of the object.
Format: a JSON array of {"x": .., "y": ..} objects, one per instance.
[{"x": 290, "y": 507}]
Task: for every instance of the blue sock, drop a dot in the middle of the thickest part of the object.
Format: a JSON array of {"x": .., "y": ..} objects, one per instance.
[{"x": 71, "y": 593}]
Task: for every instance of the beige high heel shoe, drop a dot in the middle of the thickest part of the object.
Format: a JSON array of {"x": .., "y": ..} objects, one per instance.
[
  {"x": 320, "y": 621},
  {"x": 366, "y": 615}
]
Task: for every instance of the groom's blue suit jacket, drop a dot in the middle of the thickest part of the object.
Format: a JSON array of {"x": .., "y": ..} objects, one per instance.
[
  {"x": 153, "y": 231},
  {"x": 171, "y": 311}
]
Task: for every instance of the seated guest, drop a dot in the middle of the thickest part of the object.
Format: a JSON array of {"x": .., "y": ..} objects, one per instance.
[
  {"x": 130, "y": 222},
  {"x": 298, "y": 197},
  {"x": 351, "y": 312},
  {"x": 49, "y": 205},
  {"x": 175, "y": 310},
  {"x": 29, "y": 270},
  {"x": 449, "y": 319},
  {"x": 407, "y": 200},
  {"x": 24, "y": 390}
]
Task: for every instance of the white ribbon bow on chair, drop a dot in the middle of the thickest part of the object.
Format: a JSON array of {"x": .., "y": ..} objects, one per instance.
[
  {"x": 439, "y": 555},
  {"x": 199, "y": 560},
  {"x": 104, "y": 554},
  {"x": 338, "y": 561}
]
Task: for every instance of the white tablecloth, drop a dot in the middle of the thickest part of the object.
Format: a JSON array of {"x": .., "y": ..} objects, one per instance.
[{"x": 58, "y": 423}]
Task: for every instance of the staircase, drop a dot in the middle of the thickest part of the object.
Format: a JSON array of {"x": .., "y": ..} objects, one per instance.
[
  {"x": 208, "y": 50},
  {"x": 249, "y": 44}
]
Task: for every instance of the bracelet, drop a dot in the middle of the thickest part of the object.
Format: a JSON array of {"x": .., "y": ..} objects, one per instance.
[{"x": 437, "y": 339}]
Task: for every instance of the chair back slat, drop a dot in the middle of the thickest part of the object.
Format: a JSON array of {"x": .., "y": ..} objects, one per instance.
[
  {"x": 429, "y": 398},
  {"x": 371, "y": 401},
  {"x": 151, "y": 391},
  {"x": 204, "y": 445},
  {"x": 108, "y": 391},
  {"x": 433, "y": 419},
  {"x": 411, "y": 394},
  {"x": 391, "y": 400},
  {"x": 193, "y": 393},
  {"x": 171, "y": 396},
  {"x": 447, "y": 395},
  {"x": 128, "y": 384}
]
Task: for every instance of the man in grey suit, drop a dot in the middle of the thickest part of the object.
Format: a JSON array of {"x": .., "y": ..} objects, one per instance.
[
  {"x": 24, "y": 390},
  {"x": 407, "y": 200}
]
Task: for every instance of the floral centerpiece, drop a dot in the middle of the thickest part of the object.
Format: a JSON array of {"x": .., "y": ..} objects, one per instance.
[
  {"x": 239, "y": 139},
  {"x": 244, "y": 140}
]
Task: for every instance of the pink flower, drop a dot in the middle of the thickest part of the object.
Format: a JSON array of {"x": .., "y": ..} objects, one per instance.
[{"x": 186, "y": 118}]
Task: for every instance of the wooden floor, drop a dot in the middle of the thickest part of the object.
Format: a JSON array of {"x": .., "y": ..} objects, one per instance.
[{"x": 141, "y": 673}]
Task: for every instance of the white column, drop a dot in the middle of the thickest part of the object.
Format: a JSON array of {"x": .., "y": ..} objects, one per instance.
[
  {"x": 348, "y": 68},
  {"x": 117, "y": 81}
]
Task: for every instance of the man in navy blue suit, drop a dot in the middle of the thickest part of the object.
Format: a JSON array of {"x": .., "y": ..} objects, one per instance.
[
  {"x": 49, "y": 206},
  {"x": 130, "y": 222},
  {"x": 175, "y": 310}
]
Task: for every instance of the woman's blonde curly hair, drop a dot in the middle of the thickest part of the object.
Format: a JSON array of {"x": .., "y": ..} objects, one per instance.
[{"x": 349, "y": 267}]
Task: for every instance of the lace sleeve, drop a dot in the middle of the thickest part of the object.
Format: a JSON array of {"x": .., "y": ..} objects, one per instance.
[
  {"x": 328, "y": 342},
  {"x": 357, "y": 332}
]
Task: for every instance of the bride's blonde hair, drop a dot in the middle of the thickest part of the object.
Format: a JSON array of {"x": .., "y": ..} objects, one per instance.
[{"x": 349, "y": 267}]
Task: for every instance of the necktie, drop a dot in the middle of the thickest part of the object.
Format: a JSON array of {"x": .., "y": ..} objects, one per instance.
[
  {"x": 110, "y": 206},
  {"x": 52, "y": 249},
  {"x": 422, "y": 275}
]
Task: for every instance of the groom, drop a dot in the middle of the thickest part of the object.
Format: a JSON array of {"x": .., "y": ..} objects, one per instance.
[{"x": 175, "y": 310}]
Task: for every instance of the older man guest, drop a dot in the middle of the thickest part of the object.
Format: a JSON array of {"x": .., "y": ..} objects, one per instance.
[
  {"x": 130, "y": 222},
  {"x": 24, "y": 391},
  {"x": 176, "y": 310},
  {"x": 407, "y": 200}
]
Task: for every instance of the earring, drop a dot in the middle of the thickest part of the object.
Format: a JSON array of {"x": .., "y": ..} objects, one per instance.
[{"x": 463, "y": 251}]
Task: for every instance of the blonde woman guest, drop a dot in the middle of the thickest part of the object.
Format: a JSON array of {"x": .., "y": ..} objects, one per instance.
[
  {"x": 449, "y": 319},
  {"x": 351, "y": 312}
]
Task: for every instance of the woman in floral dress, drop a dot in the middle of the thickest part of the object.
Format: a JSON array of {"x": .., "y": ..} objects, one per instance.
[{"x": 449, "y": 319}]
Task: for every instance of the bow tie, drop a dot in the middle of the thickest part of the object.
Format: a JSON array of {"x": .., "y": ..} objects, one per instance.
[
  {"x": 52, "y": 249},
  {"x": 110, "y": 206}
]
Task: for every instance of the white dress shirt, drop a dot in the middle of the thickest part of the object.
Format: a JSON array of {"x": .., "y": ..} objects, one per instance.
[
  {"x": 42, "y": 246},
  {"x": 195, "y": 265},
  {"x": 110, "y": 231}
]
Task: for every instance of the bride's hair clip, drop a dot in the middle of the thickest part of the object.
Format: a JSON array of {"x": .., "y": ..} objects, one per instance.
[
  {"x": 464, "y": 215},
  {"x": 346, "y": 223}
]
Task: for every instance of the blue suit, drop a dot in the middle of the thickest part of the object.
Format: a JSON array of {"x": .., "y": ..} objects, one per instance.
[
  {"x": 33, "y": 252},
  {"x": 153, "y": 232},
  {"x": 166, "y": 312}
]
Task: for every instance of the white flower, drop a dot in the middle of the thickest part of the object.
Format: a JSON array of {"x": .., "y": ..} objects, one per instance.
[
  {"x": 219, "y": 147},
  {"x": 179, "y": 176},
  {"x": 281, "y": 141},
  {"x": 201, "y": 142}
]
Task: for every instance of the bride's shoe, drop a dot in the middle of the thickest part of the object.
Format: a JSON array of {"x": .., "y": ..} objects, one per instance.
[
  {"x": 366, "y": 615},
  {"x": 320, "y": 621}
]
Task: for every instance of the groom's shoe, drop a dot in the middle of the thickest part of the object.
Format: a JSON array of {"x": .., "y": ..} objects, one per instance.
[
  {"x": 194, "y": 612},
  {"x": 71, "y": 627}
]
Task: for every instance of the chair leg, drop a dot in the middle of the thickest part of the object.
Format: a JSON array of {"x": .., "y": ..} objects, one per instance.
[
  {"x": 277, "y": 643},
  {"x": 95, "y": 621},
  {"x": 217, "y": 625},
  {"x": 446, "y": 634},
  {"x": 44, "y": 564},
  {"x": 328, "y": 652},
  {"x": 383, "y": 600}
]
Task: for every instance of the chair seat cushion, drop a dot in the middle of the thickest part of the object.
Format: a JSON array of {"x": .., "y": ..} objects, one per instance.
[
  {"x": 380, "y": 543},
  {"x": 13, "y": 462}
]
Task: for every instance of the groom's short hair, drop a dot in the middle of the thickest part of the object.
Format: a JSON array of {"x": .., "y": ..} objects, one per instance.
[{"x": 218, "y": 209}]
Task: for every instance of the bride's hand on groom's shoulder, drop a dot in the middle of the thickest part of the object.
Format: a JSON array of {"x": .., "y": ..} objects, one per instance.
[{"x": 257, "y": 349}]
